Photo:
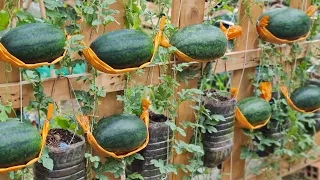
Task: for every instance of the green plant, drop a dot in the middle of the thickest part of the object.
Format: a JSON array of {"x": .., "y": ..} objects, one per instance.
[
  {"x": 41, "y": 99},
  {"x": 96, "y": 13}
]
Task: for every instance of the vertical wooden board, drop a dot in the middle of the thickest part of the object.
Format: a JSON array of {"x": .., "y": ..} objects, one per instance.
[
  {"x": 109, "y": 104},
  {"x": 192, "y": 12},
  {"x": 185, "y": 113},
  {"x": 187, "y": 13},
  {"x": 2, "y": 3},
  {"x": 300, "y": 4},
  {"x": 234, "y": 166}
]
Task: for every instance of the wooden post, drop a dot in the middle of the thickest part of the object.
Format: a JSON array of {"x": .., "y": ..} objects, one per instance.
[
  {"x": 109, "y": 104},
  {"x": 187, "y": 13},
  {"x": 2, "y": 3},
  {"x": 249, "y": 40},
  {"x": 299, "y": 4}
]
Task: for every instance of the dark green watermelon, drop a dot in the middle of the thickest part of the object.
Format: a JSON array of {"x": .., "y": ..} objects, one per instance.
[
  {"x": 20, "y": 143},
  {"x": 120, "y": 133},
  {"x": 256, "y": 110},
  {"x": 306, "y": 98},
  {"x": 201, "y": 41},
  {"x": 123, "y": 48},
  {"x": 34, "y": 43},
  {"x": 287, "y": 23}
]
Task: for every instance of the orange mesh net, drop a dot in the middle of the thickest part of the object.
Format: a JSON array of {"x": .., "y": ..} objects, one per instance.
[
  {"x": 266, "y": 35},
  {"x": 85, "y": 124},
  {"x": 266, "y": 90},
  {"x": 97, "y": 63},
  {"x": 44, "y": 132},
  {"x": 9, "y": 58},
  {"x": 285, "y": 92},
  {"x": 231, "y": 33},
  {"x": 242, "y": 121}
]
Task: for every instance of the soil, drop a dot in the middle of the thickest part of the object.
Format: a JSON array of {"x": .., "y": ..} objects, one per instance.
[
  {"x": 57, "y": 136},
  {"x": 157, "y": 117},
  {"x": 215, "y": 94}
]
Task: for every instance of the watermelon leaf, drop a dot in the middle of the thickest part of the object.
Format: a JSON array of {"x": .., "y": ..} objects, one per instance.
[
  {"x": 45, "y": 159},
  {"x": 4, "y": 20},
  {"x": 134, "y": 176}
]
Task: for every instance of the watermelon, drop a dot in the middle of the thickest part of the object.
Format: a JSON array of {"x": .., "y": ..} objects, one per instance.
[
  {"x": 200, "y": 41},
  {"x": 256, "y": 110},
  {"x": 120, "y": 133},
  {"x": 123, "y": 48},
  {"x": 34, "y": 43},
  {"x": 20, "y": 143},
  {"x": 306, "y": 98},
  {"x": 287, "y": 23}
]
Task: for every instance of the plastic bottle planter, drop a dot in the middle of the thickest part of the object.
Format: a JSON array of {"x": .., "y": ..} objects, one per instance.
[
  {"x": 157, "y": 148},
  {"x": 218, "y": 145},
  {"x": 274, "y": 130},
  {"x": 69, "y": 162}
]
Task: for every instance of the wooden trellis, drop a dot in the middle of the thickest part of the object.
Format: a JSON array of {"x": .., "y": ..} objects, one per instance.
[{"x": 245, "y": 57}]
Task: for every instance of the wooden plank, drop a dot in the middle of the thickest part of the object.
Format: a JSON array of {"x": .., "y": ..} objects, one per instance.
[
  {"x": 117, "y": 82},
  {"x": 109, "y": 104},
  {"x": 2, "y": 4},
  {"x": 234, "y": 165},
  {"x": 187, "y": 13}
]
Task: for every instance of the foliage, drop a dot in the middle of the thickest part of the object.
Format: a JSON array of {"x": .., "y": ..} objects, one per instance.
[
  {"x": 45, "y": 159},
  {"x": 132, "y": 97},
  {"x": 41, "y": 99},
  {"x": 96, "y": 13},
  {"x": 111, "y": 165}
]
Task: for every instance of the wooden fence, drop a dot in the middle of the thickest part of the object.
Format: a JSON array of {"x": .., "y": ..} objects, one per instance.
[{"x": 184, "y": 12}]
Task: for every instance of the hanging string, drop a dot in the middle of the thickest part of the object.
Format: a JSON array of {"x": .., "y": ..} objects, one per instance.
[
  {"x": 21, "y": 108},
  {"x": 245, "y": 56}
]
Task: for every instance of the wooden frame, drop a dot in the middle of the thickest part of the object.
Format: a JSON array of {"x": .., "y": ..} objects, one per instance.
[{"x": 192, "y": 12}]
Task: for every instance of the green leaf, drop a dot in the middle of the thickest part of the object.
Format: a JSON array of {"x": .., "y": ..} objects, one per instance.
[
  {"x": 134, "y": 176},
  {"x": 52, "y": 4},
  {"x": 45, "y": 159},
  {"x": 136, "y": 22},
  {"x": 96, "y": 22},
  {"x": 4, "y": 19},
  {"x": 62, "y": 122},
  {"x": 131, "y": 158}
]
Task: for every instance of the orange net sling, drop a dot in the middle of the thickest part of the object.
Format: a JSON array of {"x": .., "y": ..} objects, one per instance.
[
  {"x": 97, "y": 63},
  {"x": 242, "y": 122},
  {"x": 266, "y": 35},
  {"x": 285, "y": 92},
  {"x": 231, "y": 33},
  {"x": 85, "y": 124},
  {"x": 44, "y": 133}
]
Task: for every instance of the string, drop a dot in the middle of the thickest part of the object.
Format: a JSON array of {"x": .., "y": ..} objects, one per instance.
[
  {"x": 245, "y": 56},
  {"x": 174, "y": 76},
  {"x": 21, "y": 108},
  {"x": 72, "y": 103},
  {"x": 179, "y": 14},
  {"x": 239, "y": 86}
]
